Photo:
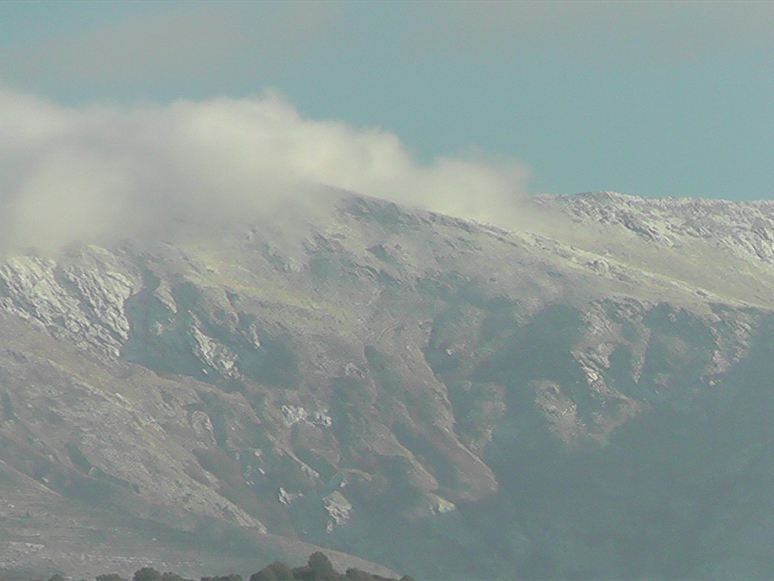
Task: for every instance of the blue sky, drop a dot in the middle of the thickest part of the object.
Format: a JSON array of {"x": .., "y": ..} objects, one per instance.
[{"x": 654, "y": 99}]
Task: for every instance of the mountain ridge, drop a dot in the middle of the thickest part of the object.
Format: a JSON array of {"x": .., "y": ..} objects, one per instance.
[{"x": 404, "y": 387}]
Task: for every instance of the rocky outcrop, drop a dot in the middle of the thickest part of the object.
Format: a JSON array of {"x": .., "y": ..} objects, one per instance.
[
  {"x": 745, "y": 229},
  {"x": 81, "y": 302}
]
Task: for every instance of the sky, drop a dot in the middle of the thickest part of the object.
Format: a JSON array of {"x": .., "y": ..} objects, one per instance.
[{"x": 404, "y": 100}]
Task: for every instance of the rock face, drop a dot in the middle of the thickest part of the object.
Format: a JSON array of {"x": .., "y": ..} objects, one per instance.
[{"x": 588, "y": 395}]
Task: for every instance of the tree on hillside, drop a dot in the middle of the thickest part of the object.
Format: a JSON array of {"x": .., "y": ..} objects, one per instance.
[
  {"x": 146, "y": 574},
  {"x": 321, "y": 566},
  {"x": 277, "y": 570},
  {"x": 170, "y": 576},
  {"x": 265, "y": 574},
  {"x": 109, "y": 577}
]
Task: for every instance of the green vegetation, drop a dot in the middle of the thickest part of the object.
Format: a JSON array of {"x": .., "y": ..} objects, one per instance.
[{"x": 317, "y": 568}]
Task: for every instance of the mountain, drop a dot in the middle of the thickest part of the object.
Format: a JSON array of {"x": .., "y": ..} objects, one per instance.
[{"x": 585, "y": 395}]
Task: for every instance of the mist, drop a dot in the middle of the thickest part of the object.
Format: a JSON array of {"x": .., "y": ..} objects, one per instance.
[{"x": 101, "y": 171}]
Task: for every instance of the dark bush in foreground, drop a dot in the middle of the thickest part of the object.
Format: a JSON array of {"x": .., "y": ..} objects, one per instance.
[
  {"x": 146, "y": 574},
  {"x": 318, "y": 568},
  {"x": 277, "y": 570},
  {"x": 109, "y": 577}
]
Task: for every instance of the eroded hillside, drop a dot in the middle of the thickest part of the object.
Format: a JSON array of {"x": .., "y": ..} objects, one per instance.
[{"x": 586, "y": 396}]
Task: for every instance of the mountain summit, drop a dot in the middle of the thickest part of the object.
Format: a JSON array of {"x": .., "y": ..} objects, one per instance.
[{"x": 586, "y": 395}]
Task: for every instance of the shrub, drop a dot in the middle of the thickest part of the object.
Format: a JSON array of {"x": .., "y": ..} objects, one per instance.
[
  {"x": 109, "y": 577},
  {"x": 320, "y": 564},
  {"x": 276, "y": 571},
  {"x": 265, "y": 574},
  {"x": 147, "y": 574}
]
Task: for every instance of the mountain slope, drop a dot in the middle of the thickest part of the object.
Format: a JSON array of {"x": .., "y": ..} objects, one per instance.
[{"x": 584, "y": 396}]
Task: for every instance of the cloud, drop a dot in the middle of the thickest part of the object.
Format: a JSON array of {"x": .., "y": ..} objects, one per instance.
[
  {"x": 89, "y": 172},
  {"x": 645, "y": 30},
  {"x": 170, "y": 42},
  {"x": 196, "y": 44}
]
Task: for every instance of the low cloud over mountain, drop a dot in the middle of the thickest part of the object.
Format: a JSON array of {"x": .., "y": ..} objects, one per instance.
[{"x": 84, "y": 173}]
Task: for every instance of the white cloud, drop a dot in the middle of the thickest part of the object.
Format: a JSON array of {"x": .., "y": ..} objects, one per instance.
[
  {"x": 84, "y": 173},
  {"x": 169, "y": 42},
  {"x": 642, "y": 29}
]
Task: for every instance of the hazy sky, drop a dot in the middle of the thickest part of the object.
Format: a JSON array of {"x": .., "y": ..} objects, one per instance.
[{"x": 648, "y": 98}]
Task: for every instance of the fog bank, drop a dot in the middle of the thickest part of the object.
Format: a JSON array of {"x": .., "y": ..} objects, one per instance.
[{"x": 85, "y": 173}]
